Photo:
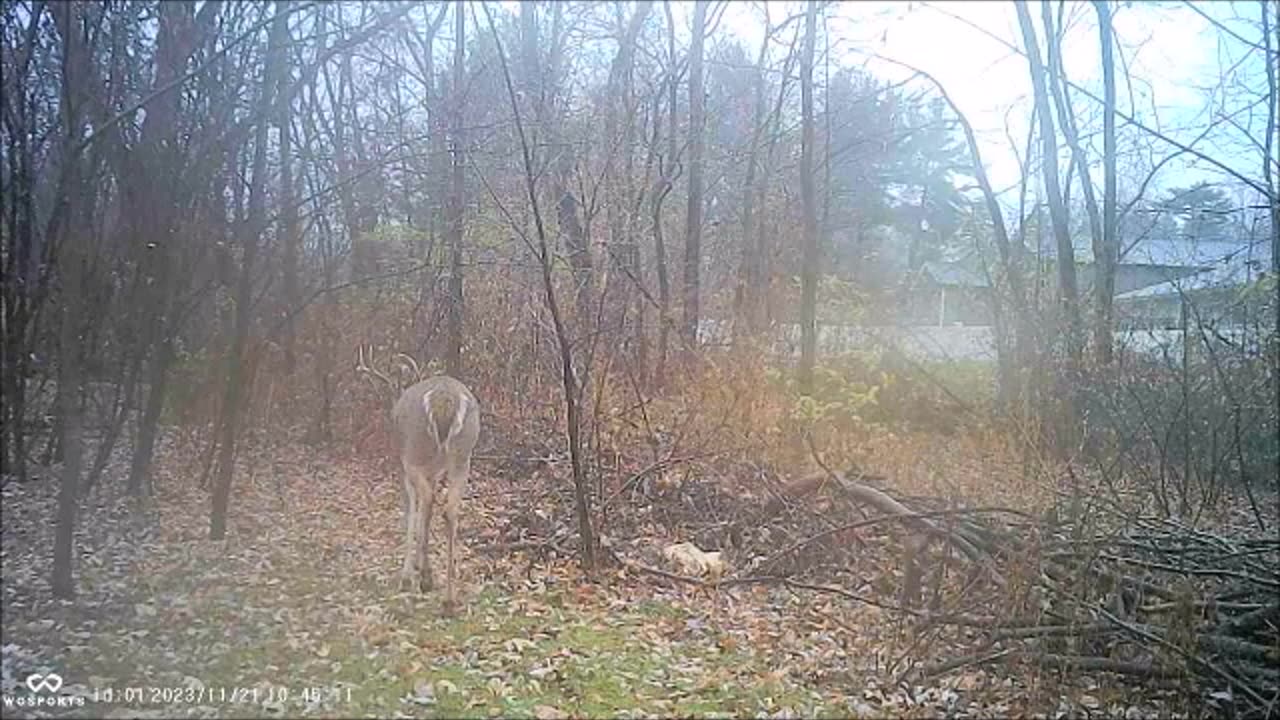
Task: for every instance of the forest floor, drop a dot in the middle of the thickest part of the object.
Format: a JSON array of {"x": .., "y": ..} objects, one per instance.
[{"x": 296, "y": 614}]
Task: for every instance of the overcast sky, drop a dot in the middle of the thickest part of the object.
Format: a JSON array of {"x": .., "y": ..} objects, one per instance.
[{"x": 1173, "y": 55}]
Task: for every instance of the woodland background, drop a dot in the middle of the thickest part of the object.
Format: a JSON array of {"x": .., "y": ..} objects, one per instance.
[{"x": 627, "y": 230}]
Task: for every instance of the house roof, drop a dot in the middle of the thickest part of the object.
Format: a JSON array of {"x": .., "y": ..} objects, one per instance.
[
  {"x": 954, "y": 274},
  {"x": 1131, "y": 277},
  {"x": 1152, "y": 267},
  {"x": 1213, "y": 263}
]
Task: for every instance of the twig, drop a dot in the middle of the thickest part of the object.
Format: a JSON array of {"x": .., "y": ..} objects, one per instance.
[
  {"x": 661, "y": 465},
  {"x": 972, "y": 660},
  {"x": 905, "y": 517}
]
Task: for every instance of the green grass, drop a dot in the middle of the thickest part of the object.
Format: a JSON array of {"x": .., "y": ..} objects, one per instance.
[
  {"x": 494, "y": 660},
  {"x": 286, "y": 605}
]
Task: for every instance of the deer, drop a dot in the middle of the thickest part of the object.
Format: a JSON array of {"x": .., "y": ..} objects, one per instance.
[{"x": 436, "y": 423}]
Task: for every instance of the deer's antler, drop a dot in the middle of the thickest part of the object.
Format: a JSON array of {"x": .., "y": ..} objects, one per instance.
[
  {"x": 413, "y": 365},
  {"x": 363, "y": 366}
]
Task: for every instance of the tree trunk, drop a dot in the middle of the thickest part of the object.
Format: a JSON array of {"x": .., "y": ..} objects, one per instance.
[
  {"x": 436, "y": 182},
  {"x": 693, "y": 217},
  {"x": 620, "y": 124},
  {"x": 352, "y": 154},
  {"x": 438, "y": 145},
  {"x": 667, "y": 169},
  {"x": 809, "y": 260},
  {"x": 572, "y": 388},
  {"x": 1106, "y": 256},
  {"x": 238, "y": 379},
  {"x": 453, "y": 352},
  {"x": 322, "y": 429},
  {"x": 140, "y": 485},
  {"x": 152, "y": 176},
  {"x": 342, "y": 159},
  {"x": 289, "y": 229},
  {"x": 1271, "y": 145},
  {"x": 1059, "y": 91},
  {"x": 767, "y": 223},
  {"x": 531, "y": 76},
  {"x": 1068, "y": 292},
  {"x": 749, "y": 294},
  {"x": 19, "y": 273},
  {"x": 126, "y": 383},
  {"x": 68, "y": 401},
  {"x": 571, "y": 230},
  {"x": 72, "y": 250}
]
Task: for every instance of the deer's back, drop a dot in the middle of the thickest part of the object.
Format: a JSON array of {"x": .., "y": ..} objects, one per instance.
[{"x": 417, "y": 429}]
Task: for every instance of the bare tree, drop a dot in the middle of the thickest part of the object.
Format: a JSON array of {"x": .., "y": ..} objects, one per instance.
[
  {"x": 624, "y": 244},
  {"x": 72, "y": 242},
  {"x": 1009, "y": 250},
  {"x": 1105, "y": 249},
  {"x": 177, "y": 41},
  {"x": 1106, "y": 254},
  {"x": 808, "y": 197},
  {"x": 1068, "y": 292},
  {"x": 693, "y": 216},
  {"x": 668, "y": 168},
  {"x": 568, "y": 217},
  {"x": 1270, "y": 166},
  {"x": 344, "y": 130},
  {"x": 457, "y": 149},
  {"x": 290, "y": 231},
  {"x": 250, "y": 236},
  {"x": 750, "y": 295},
  {"x": 1055, "y": 79},
  {"x": 571, "y": 386},
  {"x": 23, "y": 251},
  {"x": 767, "y": 223}
]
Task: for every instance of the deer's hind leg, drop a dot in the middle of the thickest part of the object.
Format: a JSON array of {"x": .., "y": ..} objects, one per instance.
[
  {"x": 426, "y": 503},
  {"x": 458, "y": 470},
  {"x": 412, "y": 526}
]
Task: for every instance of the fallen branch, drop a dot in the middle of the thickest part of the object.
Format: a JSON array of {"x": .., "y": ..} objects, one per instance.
[{"x": 1086, "y": 663}]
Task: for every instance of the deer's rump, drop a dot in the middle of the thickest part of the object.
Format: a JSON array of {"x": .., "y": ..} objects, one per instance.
[{"x": 443, "y": 408}]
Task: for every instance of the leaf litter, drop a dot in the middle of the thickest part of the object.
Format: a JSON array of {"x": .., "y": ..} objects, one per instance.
[{"x": 296, "y": 615}]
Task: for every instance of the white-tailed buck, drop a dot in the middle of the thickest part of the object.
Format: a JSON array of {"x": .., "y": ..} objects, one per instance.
[{"x": 437, "y": 422}]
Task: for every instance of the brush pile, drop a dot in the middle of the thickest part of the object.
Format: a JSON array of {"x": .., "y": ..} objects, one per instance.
[
  {"x": 1159, "y": 601},
  {"x": 1151, "y": 599}
]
